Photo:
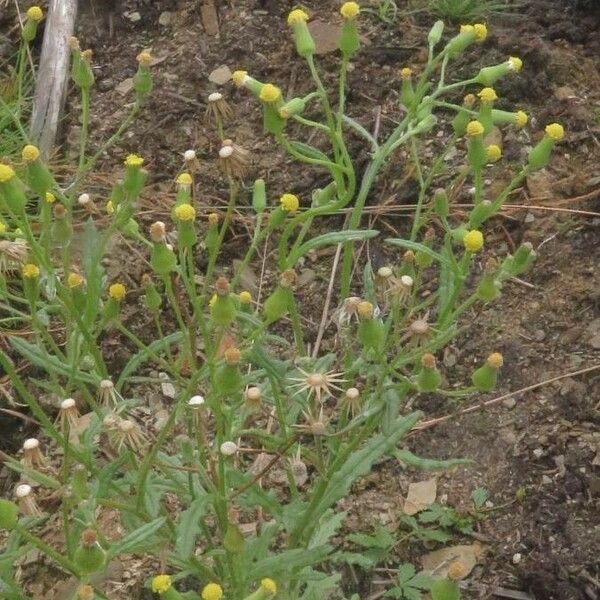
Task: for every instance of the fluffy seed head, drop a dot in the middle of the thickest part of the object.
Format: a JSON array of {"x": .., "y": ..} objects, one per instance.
[
  {"x": 83, "y": 199},
  {"x": 30, "y": 153},
  {"x": 67, "y": 404},
  {"x": 189, "y": 155},
  {"x": 196, "y": 401},
  {"x": 428, "y": 361},
  {"x": 228, "y": 449},
  {"x": 384, "y": 272},
  {"x": 22, "y": 491},
  {"x": 352, "y": 393},
  {"x": 215, "y": 97},
  {"x": 31, "y": 444}
]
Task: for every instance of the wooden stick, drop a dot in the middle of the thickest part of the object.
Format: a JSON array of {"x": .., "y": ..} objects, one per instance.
[{"x": 53, "y": 73}]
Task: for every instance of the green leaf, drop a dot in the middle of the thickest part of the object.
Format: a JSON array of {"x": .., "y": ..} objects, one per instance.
[
  {"x": 428, "y": 464},
  {"x": 234, "y": 541},
  {"x": 329, "y": 239},
  {"x": 416, "y": 246},
  {"x": 406, "y": 571},
  {"x": 188, "y": 527},
  {"x": 309, "y": 151},
  {"x": 290, "y": 560},
  {"x": 444, "y": 590},
  {"x": 479, "y": 496},
  {"x": 137, "y": 539},
  {"x": 328, "y": 526},
  {"x": 49, "y": 363}
]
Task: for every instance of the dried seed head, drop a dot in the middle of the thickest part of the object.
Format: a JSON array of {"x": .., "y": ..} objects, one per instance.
[
  {"x": 456, "y": 570},
  {"x": 352, "y": 393},
  {"x": 85, "y": 592},
  {"x": 252, "y": 396},
  {"x": 428, "y": 361},
  {"x": 83, "y": 199},
  {"x": 195, "y": 402},
  {"x": 228, "y": 448},
  {"x": 89, "y": 537},
  {"x": 429, "y": 234},
  {"x": 74, "y": 43},
  {"x": 408, "y": 258},
  {"x": 13, "y": 255},
  {"x": 299, "y": 470},
  {"x": 68, "y": 415},
  {"x": 129, "y": 434},
  {"x": 232, "y": 356},
  {"x": 217, "y": 109},
  {"x": 406, "y": 280},
  {"x": 87, "y": 55},
  {"x": 213, "y": 219},
  {"x": 288, "y": 278},
  {"x": 110, "y": 422},
  {"x": 59, "y": 211},
  {"x": 106, "y": 393},
  {"x": 189, "y": 155},
  {"x": 385, "y": 272},
  {"x": 158, "y": 232},
  {"x": 233, "y": 159},
  {"x": 419, "y": 327},
  {"x": 222, "y": 286},
  {"x": 365, "y": 310},
  {"x": 26, "y": 501},
  {"x": 32, "y": 455}
]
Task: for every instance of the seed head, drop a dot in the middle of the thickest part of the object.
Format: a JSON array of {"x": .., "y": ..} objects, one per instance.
[
  {"x": 26, "y": 500},
  {"x": 83, "y": 199},
  {"x": 252, "y": 396},
  {"x": 85, "y": 592},
  {"x": 495, "y": 360},
  {"x": 428, "y": 361},
  {"x": 228, "y": 449},
  {"x": 158, "y": 232},
  {"x": 365, "y": 310},
  {"x": 456, "y": 570},
  {"x": 189, "y": 155},
  {"x": 232, "y": 356},
  {"x": 32, "y": 455},
  {"x": 196, "y": 401}
]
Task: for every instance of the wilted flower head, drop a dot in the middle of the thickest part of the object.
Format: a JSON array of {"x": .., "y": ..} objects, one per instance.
[
  {"x": 233, "y": 159},
  {"x": 347, "y": 311},
  {"x": 144, "y": 58},
  {"x": 158, "y": 232},
  {"x": 228, "y": 448},
  {"x": 129, "y": 434},
  {"x": 252, "y": 397},
  {"x": 68, "y": 414},
  {"x": 319, "y": 384},
  {"x": 26, "y": 501},
  {"x": 13, "y": 254},
  {"x": 107, "y": 394},
  {"x": 217, "y": 109},
  {"x": 32, "y": 455}
]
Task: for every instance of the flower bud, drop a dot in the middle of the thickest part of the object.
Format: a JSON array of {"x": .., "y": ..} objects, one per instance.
[
  {"x": 440, "y": 203},
  {"x": 349, "y": 41},
  {"x": 259, "y": 196},
  {"x": 486, "y": 377},
  {"x": 142, "y": 80},
  {"x": 12, "y": 190},
  {"x": 89, "y": 556},
  {"x": 429, "y": 378},
  {"x": 435, "y": 33},
  {"x": 459, "y": 43},
  {"x": 305, "y": 45}
]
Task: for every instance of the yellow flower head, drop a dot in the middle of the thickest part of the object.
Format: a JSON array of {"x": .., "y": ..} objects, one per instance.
[
  {"x": 521, "y": 119},
  {"x": 473, "y": 241},
  {"x": 2, "y": 227},
  {"x": 6, "y": 173},
  {"x": 365, "y": 309},
  {"x": 50, "y": 198},
  {"x": 184, "y": 179},
  {"x": 515, "y": 63},
  {"x": 117, "y": 291},
  {"x": 213, "y": 300},
  {"x": 488, "y": 95},
  {"x": 160, "y": 584},
  {"x": 30, "y": 153},
  {"x": 268, "y": 585},
  {"x": 35, "y": 13},
  {"x": 270, "y": 93},
  {"x": 238, "y": 77},
  {"x": 30, "y": 271},
  {"x": 466, "y": 28},
  {"x": 495, "y": 360},
  {"x": 555, "y": 131},
  {"x": 406, "y": 73},
  {"x": 245, "y": 297},
  {"x": 74, "y": 280},
  {"x": 349, "y": 10},
  {"x": 185, "y": 212},
  {"x": 493, "y": 152},
  {"x": 133, "y": 160},
  {"x": 212, "y": 591},
  {"x": 480, "y": 32},
  {"x": 297, "y": 16},
  {"x": 289, "y": 202},
  {"x": 144, "y": 59},
  {"x": 110, "y": 208},
  {"x": 474, "y": 128}
]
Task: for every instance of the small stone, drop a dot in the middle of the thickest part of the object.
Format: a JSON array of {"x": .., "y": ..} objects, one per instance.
[
  {"x": 538, "y": 453},
  {"x": 546, "y": 480},
  {"x": 125, "y": 86},
  {"x": 594, "y": 342},
  {"x": 134, "y": 17},
  {"x": 529, "y": 218},
  {"x": 221, "y": 75},
  {"x": 509, "y": 403},
  {"x": 165, "y": 18},
  {"x": 539, "y": 335},
  {"x": 516, "y": 559}
]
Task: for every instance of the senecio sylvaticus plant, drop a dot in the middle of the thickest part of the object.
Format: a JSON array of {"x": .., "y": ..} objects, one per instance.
[{"x": 235, "y": 490}]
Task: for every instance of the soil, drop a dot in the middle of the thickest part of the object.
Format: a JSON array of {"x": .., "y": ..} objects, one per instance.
[{"x": 538, "y": 452}]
